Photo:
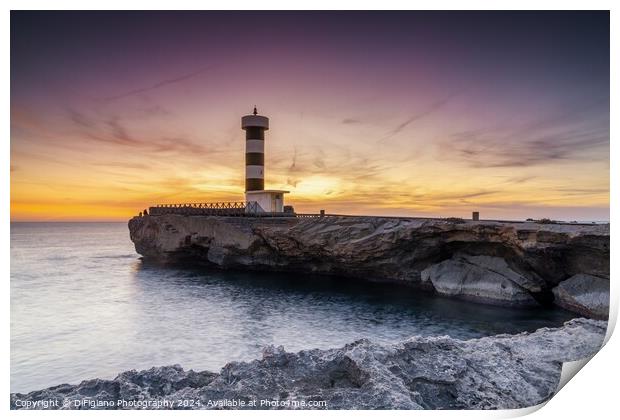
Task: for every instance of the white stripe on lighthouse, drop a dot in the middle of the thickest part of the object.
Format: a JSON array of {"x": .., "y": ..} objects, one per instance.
[
  {"x": 254, "y": 171},
  {"x": 254, "y": 146}
]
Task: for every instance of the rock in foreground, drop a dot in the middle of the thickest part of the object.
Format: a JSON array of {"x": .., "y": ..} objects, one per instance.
[
  {"x": 499, "y": 372},
  {"x": 584, "y": 294}
]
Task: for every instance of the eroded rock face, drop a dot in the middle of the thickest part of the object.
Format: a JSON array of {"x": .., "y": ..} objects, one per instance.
[
  {"x": 504, "y": 371},
  {"x": 483, "y": 279},
  {"x": 584, "y": 294},
  {"x": 516, "y": 263}
]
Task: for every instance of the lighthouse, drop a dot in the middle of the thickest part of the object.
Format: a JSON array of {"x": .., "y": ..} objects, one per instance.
[
  {"x": 255, "y": 126},
  {"x": 268, "y": 201}
]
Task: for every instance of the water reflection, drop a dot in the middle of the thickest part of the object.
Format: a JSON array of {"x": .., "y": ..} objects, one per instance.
[{"x": 306, "y": 310}]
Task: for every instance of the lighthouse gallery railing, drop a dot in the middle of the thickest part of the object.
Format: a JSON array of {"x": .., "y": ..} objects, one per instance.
[{"x": 224, "y": 208}]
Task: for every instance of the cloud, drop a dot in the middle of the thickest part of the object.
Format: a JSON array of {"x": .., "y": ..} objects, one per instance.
[
  {"x": 119, "y": 132},
  {"x": 156, "y": 111},
  {"x": 568, "y": 116},
  {"x": 569, "y": 135},
  {"x": 157, "y": 85},
  {"x": 474, "y": 194},
  {"x": 293, "y": 179},
  {"x": 124, "y": 165},
  {"x": 293, "y": 166},
  {"x": 350, "y": 121},
  {"x": 572, "y": 191},
  {"x": 535, "y": 148},
  {"x": 80, "y": 119},
  {"x": 26, "y": 121},
  {"x": 319, "y": 162},
  {"x": 113, "y": 130},
  {"x": 167, "y": 144},
  {"x": 292, "y": 182},
  {"x": 428, "y": 111},
  {"x": 347, "y": 168},
  {"x": 519, "y": 179}
]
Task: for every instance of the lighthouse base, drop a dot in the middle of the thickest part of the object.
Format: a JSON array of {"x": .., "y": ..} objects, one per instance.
[{"x": 269, "y": 201}]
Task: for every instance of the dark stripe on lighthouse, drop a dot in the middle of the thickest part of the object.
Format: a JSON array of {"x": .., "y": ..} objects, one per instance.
[
  {"x": 254, "y": 184},
  {"x": 255, "y": 133},
  {"x": 255, "y": 159}
]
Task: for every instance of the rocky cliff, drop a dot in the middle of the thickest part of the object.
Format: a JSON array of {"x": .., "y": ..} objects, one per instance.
[
  {"x": 516, "y": 264},
  {"x": 504, "y": 371}
]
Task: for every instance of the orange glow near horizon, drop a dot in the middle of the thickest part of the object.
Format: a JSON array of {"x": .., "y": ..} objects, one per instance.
[{"x": 102, "y": 185}]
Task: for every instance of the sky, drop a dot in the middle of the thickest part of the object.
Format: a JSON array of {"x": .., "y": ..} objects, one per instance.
[{"x": 381, "y": 113}]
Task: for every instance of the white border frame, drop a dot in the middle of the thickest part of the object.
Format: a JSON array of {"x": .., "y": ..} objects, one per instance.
[{"x": 593, "y": 394}]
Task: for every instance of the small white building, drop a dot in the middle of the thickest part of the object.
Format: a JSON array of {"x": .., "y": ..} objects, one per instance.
[{"x": 269, "y": 201}]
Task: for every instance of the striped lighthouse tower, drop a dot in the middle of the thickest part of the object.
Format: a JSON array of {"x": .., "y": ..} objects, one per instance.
[{"x": 254, "y": 126}]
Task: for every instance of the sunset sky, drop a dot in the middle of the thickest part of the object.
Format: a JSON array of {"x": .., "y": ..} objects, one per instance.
[{"x": 383, "y": 113}]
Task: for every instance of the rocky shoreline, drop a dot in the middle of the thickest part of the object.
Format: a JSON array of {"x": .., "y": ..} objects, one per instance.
[
  {"x": 498, "y": 372},
  {"x": 515, "y": 264}
]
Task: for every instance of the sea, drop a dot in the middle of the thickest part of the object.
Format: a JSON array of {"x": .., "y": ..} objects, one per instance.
[{"x": 85, "y": 305}]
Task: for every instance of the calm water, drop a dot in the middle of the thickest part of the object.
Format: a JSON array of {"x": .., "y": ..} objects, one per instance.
[{"x": 84, "y": 305}]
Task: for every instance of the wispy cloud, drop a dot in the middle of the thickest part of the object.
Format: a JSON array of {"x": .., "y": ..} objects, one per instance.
[
  {"x": 113, "y": 130},
  {"x": 80, "y": 119},
  {"x": 119, "y": 132},
  {"x": 568, "y": 135},
  {"x": 122, "y": 165},
  {"x": 519, "y": 179},
  {"x": 157, "y": 85},
  {"x": 156, "y": 111},
  {"x": 418, "y": 116}
]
